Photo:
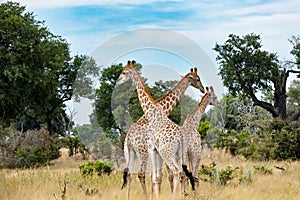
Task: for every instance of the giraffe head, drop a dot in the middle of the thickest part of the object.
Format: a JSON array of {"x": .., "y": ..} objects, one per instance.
[
  {"x": 126, "y": 74},
  {"x": 212, "y": 97},
  {"x": 195, "y": 80}
]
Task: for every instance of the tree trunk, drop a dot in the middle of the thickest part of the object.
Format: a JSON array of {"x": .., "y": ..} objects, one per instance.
[{"x": 280, "y": 94}]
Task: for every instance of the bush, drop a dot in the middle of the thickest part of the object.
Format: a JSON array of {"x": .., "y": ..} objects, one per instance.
[
  {"x": 97, "y": 167},
  {"x": 74, "y": 145},
  {"x": 30, "y": 157},
  {"x": 273, "y": 139},
  {"x": 224, "y": 176},
  {"x": 30, "y": 149},
  {"x": 219, "y": 176}
]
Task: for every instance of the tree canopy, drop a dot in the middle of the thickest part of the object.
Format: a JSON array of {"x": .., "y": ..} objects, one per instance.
[
  {"x": 248, "y": 70},
  {"x": 37, "y": 73}
]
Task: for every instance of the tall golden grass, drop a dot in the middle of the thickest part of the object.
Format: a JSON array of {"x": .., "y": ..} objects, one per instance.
[{"x": 62, "y": 180}]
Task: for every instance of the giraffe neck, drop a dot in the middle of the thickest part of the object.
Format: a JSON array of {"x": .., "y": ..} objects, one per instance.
[
  {"x": 193, "y": 119},
  {"x": 169, "y": 100},
  {"x": 145, "y": 98},
  {"x": 203, "y": 103}
]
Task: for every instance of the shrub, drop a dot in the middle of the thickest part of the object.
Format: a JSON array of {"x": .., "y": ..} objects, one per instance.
[
  {"x": 97, "y": 167},
  {"x": 30, "y": 157},
  {"x": 288, "y": 146},
  {"x": 74, "y": 145},
  {"x": 219, "y": 176},
  {"x": 272, "y": 139},
  {"x": 263, "y": 170},
  {"x": 29, "y": 149}
]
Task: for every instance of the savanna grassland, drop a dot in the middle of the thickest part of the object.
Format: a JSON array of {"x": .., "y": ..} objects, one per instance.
[{"x": 63, "y": 180}]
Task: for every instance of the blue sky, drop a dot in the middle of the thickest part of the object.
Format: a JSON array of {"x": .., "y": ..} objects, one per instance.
[{"x": 88, "y": 24}]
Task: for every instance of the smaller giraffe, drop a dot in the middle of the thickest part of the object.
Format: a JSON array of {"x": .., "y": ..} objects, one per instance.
[{"x": 191, "y": 137}]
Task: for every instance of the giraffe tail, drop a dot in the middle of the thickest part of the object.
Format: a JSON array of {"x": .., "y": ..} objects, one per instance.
[
  {"x": 125, "y": 173},
  {"x": 190, "y": 176}
]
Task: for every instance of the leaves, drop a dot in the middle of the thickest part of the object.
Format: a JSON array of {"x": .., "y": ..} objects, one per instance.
[
  {"x": 37, "y": 73},
  {"x": 244, "y": 67}
]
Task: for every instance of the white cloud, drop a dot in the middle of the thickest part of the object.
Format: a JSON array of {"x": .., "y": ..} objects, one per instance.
[
  {"x": 289, "y": 6},
  {"x": 70, "y": 3}
]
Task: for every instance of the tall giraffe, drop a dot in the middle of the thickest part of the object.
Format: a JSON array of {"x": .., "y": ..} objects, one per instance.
[
  {"x": 137, "y": 139},
  {"x": 165, "y": 135},
  {"x": 191, "y": 137}
]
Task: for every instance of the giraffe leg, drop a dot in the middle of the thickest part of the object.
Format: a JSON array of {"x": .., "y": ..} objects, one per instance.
[
  {"x": 159, "y": 163},
  {"x": 184, "y": 183},
  {"x": 171, "y": 163},
  {"x": 142, "y": 176},
  {"x": 170, "y": 177},
  {"x": 129, "y": 184},
  {"x": 142, "y": 171},
  {"x": 154, "y": 174},
  {"x": 176, "y": 180},
  {"x": 183, "y": 171},
  {"x": 195, "y": 169},
  {"x": 130, "y": 168}
]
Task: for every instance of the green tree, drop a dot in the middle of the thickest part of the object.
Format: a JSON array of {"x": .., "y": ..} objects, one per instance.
[
  {"x": 37, "y": 73},
  {"x": 246, "y": 69},
  {"x": 103, "y": 97},
  {"x": 294, "y": 99},
  {"x": 83, "y": 85}
]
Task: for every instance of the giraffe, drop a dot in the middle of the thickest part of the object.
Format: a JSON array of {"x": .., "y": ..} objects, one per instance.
[
  {"x": 165, "y": 143},
  {"x": 191, "y": 137},
  {"x": 136, "y": 137}
]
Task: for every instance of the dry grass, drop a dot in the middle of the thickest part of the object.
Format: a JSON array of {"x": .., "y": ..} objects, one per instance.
[{"x": 62, "y": 180}]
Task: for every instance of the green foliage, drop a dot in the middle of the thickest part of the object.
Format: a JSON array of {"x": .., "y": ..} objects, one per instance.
[
  {"x": 103, "y": 97},
  {"x": 31, "y": 157},
  {"x": 276, "y": 139},
  {"x": 218, "y": 176},
  {"x": 244, "y": 67},
  {"x": 246, "y": 176},
  {"x": 246, "y": 70},
  {"x": 225, "y": 176},
  {"x": 293, "y": 105},
  {"x": 203, "y": 128},
  {"x": 87, "y": 133},
  {"x": 97, "y": 167},
  {"x": 30, "y": 149},
  {"x": 83, "y": 84},
  {"x": 295, "y": 40},
  {"x": 74, "y": 145},
  {"x": 262, "y": 169},
  {"x": 37, "y": 73},
  {"x": 226, "y": 140}
]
